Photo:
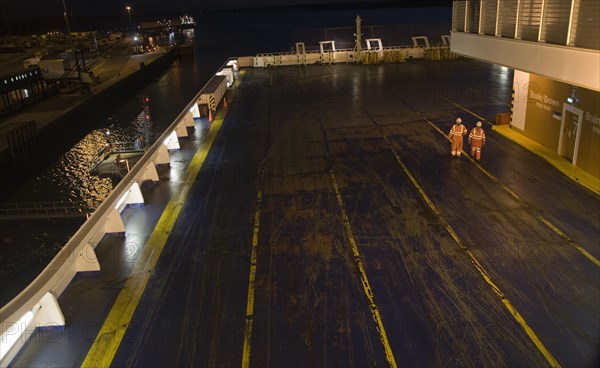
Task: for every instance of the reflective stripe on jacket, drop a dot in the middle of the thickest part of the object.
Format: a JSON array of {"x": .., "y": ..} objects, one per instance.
[
  {"x": 477, "y": 134},
  {"x": 460, "y": 131}
]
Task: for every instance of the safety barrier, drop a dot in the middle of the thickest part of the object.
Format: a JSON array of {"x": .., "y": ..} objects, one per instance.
[
  {"x": 42, "y": 210},
  {"x": 440, "y": 54},
  {"x": 390, "y": 54},
  {"x": 37, "y": 305}
]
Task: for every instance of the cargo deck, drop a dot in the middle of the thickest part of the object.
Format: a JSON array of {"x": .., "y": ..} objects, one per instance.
[{"x": 329, "y": 226}]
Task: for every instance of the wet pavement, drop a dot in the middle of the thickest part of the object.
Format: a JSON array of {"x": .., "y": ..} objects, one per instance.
[{"x": 328, "y": 226}]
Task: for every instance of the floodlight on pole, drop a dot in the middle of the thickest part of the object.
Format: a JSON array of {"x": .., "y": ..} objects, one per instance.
[
  {"x": 129, "y": 13},
  {"x": 66, "y": 15}
]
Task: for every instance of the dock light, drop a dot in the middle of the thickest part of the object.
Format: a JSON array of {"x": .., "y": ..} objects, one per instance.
[
  {"x": 129, "y": 13},
  {"x": 573, "y": 99}
]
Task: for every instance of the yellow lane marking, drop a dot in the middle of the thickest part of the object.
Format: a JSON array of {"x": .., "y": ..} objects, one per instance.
[
  {"x": 112, "y": 331},
  {"x": 513, "y": 311},
  {"x": 491, "y": 98},
  {"x": 519, "y": 200},
  {"x": 389, "y": 355},
  {"x": 252, "y": 278},
  {"x": 464, "y": 108},
  {"x": 571, "y": 241}
]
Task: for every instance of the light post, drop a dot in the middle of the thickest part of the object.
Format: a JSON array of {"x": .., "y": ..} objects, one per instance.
[
  {"x": 66, "y": 19},
  {"x": 129, "y": 13}
]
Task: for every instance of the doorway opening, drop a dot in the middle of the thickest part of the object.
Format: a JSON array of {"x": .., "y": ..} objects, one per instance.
[{"x": 570, "y": 132}]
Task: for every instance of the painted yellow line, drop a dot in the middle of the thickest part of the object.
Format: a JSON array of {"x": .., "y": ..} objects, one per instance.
[
  {"x": 464, "y": 108},
  {"x": 545, "y": 221},
  {"x": 564, "y": 236},
  {"x": 512, "y": 310},
  {"x": 252, "y": 278},
  {"x": 112, "y": 331},
  {"x": 389, "y": 355},
  {"x": 491, "y": 98}
]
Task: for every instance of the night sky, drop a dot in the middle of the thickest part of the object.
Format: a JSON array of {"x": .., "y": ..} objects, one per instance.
[
  {"x": 40, "y": 16},
  {"x": 45, "y": 8}
]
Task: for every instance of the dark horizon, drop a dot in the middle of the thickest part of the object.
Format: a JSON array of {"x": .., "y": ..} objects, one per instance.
[
  {"x": 81, "y": 8},
  {"x": 78, "y": 23}
]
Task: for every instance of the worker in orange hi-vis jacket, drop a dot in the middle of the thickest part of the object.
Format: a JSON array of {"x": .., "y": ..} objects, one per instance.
[
  {"x": 477, "y": 140},
  {"x": 456, "y": 137}
]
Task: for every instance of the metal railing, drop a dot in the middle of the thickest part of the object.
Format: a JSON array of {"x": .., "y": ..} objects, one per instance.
[
  {"x": 43, "y": 210},
  {"x": 37, "y": 304}
]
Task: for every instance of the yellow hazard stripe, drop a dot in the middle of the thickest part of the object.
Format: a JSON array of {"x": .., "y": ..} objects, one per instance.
[
  {"x": 545, "y": 221},
  {"x": 389, "y": 355},
  {"x": 112, "y": 331},
  {"x": 513, "y": 311},
  {"x": 252, "y": 278}
]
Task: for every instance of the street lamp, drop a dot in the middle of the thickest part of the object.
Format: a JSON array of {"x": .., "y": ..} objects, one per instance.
[
  {"x": 129, "y": 13},
  {"x": 66, "y": 15}
]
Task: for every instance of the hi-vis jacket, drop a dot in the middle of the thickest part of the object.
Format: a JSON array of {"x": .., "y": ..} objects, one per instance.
[
  {"x": 477, "y": 137},
  {"x": 458, "y": 130}
]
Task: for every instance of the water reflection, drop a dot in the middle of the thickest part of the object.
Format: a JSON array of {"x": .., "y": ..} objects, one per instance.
[
  {"x": 32, "y": 244},
  {"x": 72, "y": 173}
]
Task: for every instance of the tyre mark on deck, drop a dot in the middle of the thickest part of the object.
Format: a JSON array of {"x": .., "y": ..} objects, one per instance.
[
  {"x": 358, "y": 261},
  {"x": 518, "y": 199},
  {"x": 466, "y": 251},
  {"x": 396, "y": 210}
]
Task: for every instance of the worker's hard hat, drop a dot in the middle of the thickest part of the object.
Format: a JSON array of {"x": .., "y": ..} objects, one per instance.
[
  {"x": 459, "y": 120},
  {"x": 479, "y": 123}
]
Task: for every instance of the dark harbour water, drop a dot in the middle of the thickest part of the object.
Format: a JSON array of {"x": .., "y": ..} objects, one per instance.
[{"x": 27, "y": 246}]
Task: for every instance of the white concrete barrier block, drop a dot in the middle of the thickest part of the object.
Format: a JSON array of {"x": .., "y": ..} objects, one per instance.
[
  {"x": 49, "y": 313},
  {"x": 193, "y": 113},
  {"x": 149, "y": 173},
  {"x": 172, "y": 142},
  {"x": 134, "y": 195},
  {"x": 181, "y": 129},
  {"x": 86, "y": 260},
  {"x": 114, "y": 222},
  {"x": 162, "y": 156}
]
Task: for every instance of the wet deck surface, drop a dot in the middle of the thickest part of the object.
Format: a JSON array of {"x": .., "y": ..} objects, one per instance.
[{"x": 372, "y": 245}]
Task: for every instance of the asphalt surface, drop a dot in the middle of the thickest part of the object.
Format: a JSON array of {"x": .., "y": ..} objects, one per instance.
[{"x": 372, "y": 246}]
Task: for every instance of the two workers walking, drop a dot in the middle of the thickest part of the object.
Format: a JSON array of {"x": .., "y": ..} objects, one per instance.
[{"x": 476, "y": 139}]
